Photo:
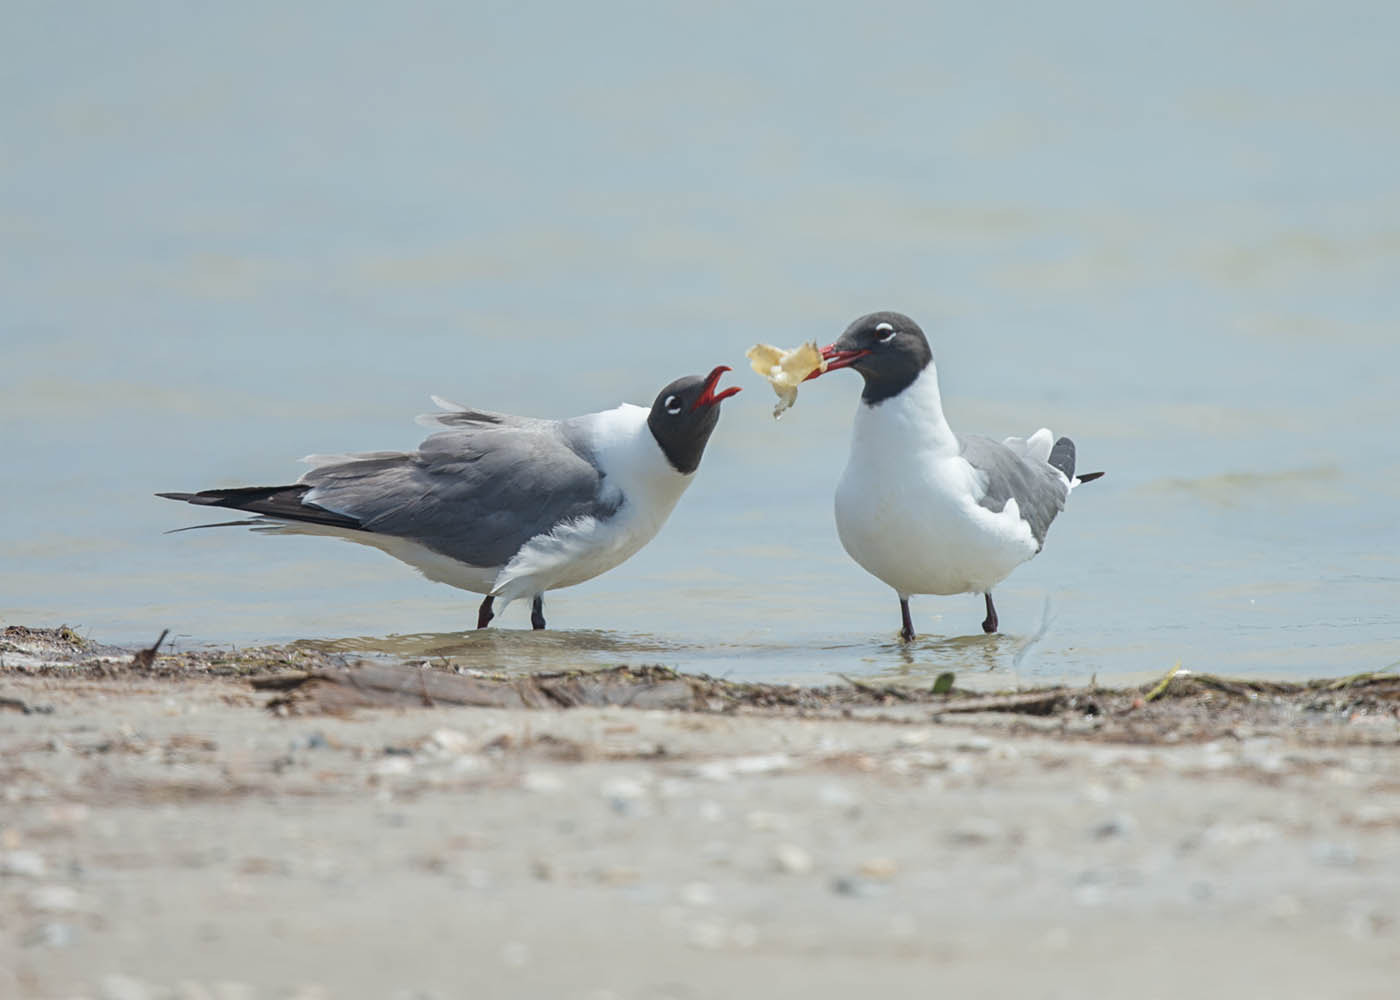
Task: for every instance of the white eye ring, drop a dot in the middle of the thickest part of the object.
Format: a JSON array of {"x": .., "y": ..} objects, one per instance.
[
  {"x": 672, "y": 405},
  {"x": 888, "y": 332}
]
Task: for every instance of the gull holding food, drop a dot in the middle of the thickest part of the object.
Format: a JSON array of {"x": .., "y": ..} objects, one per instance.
[
  {"x": 505, "y": 506},
  {"x": 921, "y": 508}
]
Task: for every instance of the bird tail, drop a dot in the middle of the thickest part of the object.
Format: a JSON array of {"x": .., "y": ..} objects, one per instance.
[{"x": 1062, "y": 458}]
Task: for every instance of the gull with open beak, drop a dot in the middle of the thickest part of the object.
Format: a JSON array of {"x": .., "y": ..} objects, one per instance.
[{"x": 509, "y": 507}]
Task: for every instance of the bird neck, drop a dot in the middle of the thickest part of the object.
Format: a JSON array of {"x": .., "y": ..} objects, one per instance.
[
  {"x": 624, "y": 445},
  {"x": 911, "y": 420}
]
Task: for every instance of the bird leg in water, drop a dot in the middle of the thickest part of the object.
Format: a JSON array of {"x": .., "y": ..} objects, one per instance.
[
  {"x": 483, "y": 614},
  {"x": 537, "y": 612},
  {"x": 990, "y": 625},
  {"x": 907, "y": 632}
]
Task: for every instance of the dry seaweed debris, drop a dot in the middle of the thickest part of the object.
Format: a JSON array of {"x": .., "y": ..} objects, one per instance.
[
  {"x": 61, "y": 652},
  {"x": 1372, "y": 688},
  {"x": 368, "y": 684},
  {"x": 1187, "y": 706}
]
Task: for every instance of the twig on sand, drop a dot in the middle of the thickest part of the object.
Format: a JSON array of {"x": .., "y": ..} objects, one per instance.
[
  {"x": 876, "y": 690},
  {"x": 144, "y": 659},
  {"x": 1161, "y": 687},
  {"x": 1033, "y": 703}
]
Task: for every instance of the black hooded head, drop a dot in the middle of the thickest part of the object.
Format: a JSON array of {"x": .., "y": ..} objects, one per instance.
[
  {"x": 887, "y": 348},
  {"x": 684, "y": 415}
]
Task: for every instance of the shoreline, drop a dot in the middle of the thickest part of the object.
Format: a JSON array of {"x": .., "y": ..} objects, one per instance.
[{"x": 172, "y": 830}]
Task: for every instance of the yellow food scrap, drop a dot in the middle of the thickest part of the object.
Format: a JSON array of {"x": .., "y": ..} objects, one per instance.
[{"x": 786, "y": 370}]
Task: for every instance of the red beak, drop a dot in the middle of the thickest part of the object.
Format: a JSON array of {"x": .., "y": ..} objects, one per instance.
[
  {"x": 709, "y": 397},
  {"x": 836, "y": 359}
]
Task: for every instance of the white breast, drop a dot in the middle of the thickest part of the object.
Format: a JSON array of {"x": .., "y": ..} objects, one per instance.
[
  {"x": 906, "y": 506},
  {"x": 635, "y": 467}
]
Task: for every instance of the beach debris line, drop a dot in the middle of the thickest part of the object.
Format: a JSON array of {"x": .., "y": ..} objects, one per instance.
[{"x": 379, "y": 685}]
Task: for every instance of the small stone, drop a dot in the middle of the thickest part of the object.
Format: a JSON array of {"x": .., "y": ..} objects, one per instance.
[
  {"x": 791, "y": 859},
  {"x": 451, "y": 741}
]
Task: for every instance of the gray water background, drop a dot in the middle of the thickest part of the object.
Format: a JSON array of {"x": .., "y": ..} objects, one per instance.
[{"x": 235, "y": 234}]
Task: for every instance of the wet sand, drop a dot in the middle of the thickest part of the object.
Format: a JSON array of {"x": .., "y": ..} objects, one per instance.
[{"x": 164, "y": 833}]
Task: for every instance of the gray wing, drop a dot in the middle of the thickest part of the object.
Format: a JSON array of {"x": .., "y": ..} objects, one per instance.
[
  {"x": 1038, "y": 488},
  {"x": 476, "y": 493}
]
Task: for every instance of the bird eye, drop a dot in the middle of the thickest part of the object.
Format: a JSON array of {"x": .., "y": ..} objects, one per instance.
[
  {"x": 885, "y": 333},
  {"x": 672, "y": 405}
]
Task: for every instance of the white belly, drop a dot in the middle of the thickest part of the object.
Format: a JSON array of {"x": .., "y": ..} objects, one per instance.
[
  {"x": 916, "y": 526},
  {"x": 567, "y": 556}
]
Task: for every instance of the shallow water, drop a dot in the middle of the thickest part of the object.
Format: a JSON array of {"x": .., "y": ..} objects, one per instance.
[{"x": 236, "y": 237}]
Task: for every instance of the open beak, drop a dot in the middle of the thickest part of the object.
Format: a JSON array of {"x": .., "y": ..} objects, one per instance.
[
  {"x": 836, "y": 359},
  {"x": 709, "y": 397}
]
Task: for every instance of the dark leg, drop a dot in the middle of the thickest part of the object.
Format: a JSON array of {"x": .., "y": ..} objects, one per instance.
[
  {"x": 537, "y": 612},
  {"x": 907, "y": 632},
  {"x": 990, "y": 625},
  {"x": 483, "y": 614}
]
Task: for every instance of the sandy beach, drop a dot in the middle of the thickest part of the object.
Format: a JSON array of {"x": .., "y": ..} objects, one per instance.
[{"x": 164, "y": 833}]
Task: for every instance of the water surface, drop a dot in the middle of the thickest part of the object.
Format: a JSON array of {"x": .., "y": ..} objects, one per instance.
[{"x": 234, "y": 236}]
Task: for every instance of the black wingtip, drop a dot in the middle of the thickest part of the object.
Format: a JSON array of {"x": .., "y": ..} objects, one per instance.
[
  {"x": 1089, "y": 477},
  {"x": 1062, "y": 457}
]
